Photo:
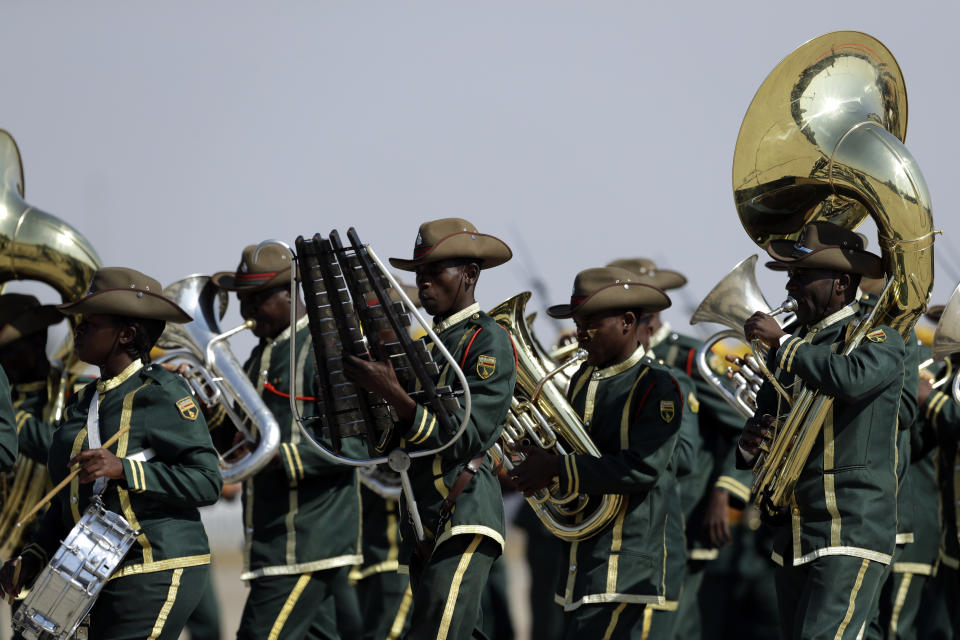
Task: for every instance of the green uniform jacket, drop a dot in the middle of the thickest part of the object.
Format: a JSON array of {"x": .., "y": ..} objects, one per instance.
[
  {"x": 8, "y": 426},
  {"x": 485, "y": 353},
  {"x": 943, "y": 414},
  {"x": 301, "y": 513},
  {"x": 844, "y": 502},
  {"x": 169, "y": 464},
  {"x": 34, "y": 435},
  {"x": 381, "y": 535},
  {"x": 633, "y": 412},
  {"x": 720, "y": 428}
]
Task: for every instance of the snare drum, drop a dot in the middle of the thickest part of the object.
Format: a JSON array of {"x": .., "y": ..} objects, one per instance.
[{"x": 69, "y": 585}]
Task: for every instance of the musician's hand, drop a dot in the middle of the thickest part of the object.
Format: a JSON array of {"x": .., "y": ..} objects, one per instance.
[
  {"x": 924, "y": 390},
  {"x": 754, "y": 433},
  {"x": 97, "y": 463},
  {"x": 716, "y": 525},
  {"x": 764, "y": 328},
  {"x": 378, "y": 376},
  {"x": 29, "y": 568},
  {"x": 240, "y": 447},
  {"x": 537, "y": 471}
]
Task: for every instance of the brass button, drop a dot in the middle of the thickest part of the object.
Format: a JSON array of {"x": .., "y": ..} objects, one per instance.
[{"x": 573, "y": 568}]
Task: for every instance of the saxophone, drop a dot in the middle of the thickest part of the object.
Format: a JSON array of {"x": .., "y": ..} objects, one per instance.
[
  {"x": 823, "y": 140},
  {"x": 540, "y": 415}
]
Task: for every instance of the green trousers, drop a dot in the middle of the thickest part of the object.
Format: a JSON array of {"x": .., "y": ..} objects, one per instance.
[
  {"x": 204, "y": 622},
  {"x": 303, "y": 605},
  {"x": 612, "y": 621},
  {"x": 830, "y": 598},
  {"x": 152, "y": 606},
  {"x": 447, "y": 588},
  {"x": 384, "y": 605},
  {"x": 939, "y": 617}
]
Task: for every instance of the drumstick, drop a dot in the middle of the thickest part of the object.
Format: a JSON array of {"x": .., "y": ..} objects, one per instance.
[
  {"x": 73, "y": 474},
  {"x": 16, "y": 578}
]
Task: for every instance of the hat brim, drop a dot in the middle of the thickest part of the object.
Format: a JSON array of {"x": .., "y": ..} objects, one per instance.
[
  {"x": 130, "y": 303},
  {"x": 489, "y": 251},
  {"x": 231, "y": 281},
  {"x": 613, "y": 297},
  {"x": 665, "y": 279},
  {"x": 30, "y": 322},
  {"x": 832, "y": 258}
]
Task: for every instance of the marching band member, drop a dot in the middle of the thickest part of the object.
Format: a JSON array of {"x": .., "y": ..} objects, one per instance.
[
  {"x": 23, "y": 355},
  {"x": 458, "y": 494},
  {"x": 156, "y": 475},
  {"x": 632, "y": 408},
  {"x": 301, "y": 513},
  {"x": 8, "y": 426},
  {"x": 839, "y": 533}
]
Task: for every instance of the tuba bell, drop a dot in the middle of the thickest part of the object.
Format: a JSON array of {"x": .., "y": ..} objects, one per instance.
[
  {"x": 35, "y": 245},
  {"x": 215, "y": 374},
  {"x": 946, "y": 338},
  {"x": 540, "y": 415},
  {"x": 823, "y": 140}
]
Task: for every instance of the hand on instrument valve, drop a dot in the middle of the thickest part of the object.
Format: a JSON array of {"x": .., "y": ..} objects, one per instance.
[
  {"x": 97, "y": 463},
  {"x": 924, "y": 390},
  {"x": 16, "y": 572},
  {"x": 716, "y": 525},
  {"x": 537, "y": 471},
  {"x": 755, "y": 432},
  {"x": 764, "y": 328},
  {"x": 377, "y": 376}
]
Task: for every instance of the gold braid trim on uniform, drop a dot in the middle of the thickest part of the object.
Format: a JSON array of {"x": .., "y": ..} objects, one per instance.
[
  {"x": 401, "y": 618},
  {"x": 853, "y": 600},
  {"x": 646, "y": 624},
  {"x": 288, "y": 606},
  {"x": 614, "y": 618},
  {"x": 22, "y": 417},
  {"x": 75, "y": 483},
  {"x": 949, "y": 561},
  {"x": 380, "y": 567},
  {"x": 916, "y": 568},
  {"x": 703, "y": 554},
  {"x": 606, "y": 598},
  {"x": 668, "y": 605},
  {"x": 167, "y": 605},
  {"x": 451, "y": 320},
  {"x": 450, "y": 605},
  {"x": 126, "y": 415},
  {"x": 734, "y": 487},
  {"x": 112, "y": 383},
  {"x": 905, "y": 538},
  {"x": 161, "y": 565},
  {"x": 303, "y": 567},
  {"x": 854, "y": 552},
  {"x": 902, "y": 591},
  {"x": 613, "y": 562},
  {"x": 467, "y": 529}
]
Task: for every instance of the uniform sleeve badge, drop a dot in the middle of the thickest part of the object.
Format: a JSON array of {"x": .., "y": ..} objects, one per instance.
[
  {"x": 486, "y": 365},
  {"x": 877, "y": 336},
  {"x": 667, "y": 410},
  {"x": 188, "y": 408}
]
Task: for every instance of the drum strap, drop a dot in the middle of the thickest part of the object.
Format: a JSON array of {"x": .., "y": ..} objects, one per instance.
[{"x": 93, "y": 436}]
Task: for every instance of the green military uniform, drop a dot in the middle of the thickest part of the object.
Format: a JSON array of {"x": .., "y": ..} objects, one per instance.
[
  {"x": 301, "y": 514},
  {"x": 840, "y": 531},
  {"x": 942, "y": 413},
  {"x": 170, "y": 468},
  {"x": 383, "y": 592},
  {"x": 34, "y": 435},
  {"x": 8, "y": 426},
  {"x": 447, "y": 588},
  {"x": 633, "y": 411},
  {"x": 660, "y": 620}
]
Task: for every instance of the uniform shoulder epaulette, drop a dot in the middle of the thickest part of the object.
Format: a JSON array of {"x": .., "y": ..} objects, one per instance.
[{"x": 162, "y": 376}]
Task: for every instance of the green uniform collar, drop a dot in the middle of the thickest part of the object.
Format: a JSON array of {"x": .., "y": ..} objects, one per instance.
[
  {"x": 620, "y": 367},
  {"x": 835, "y": 317},
  {"x": 660, "y": 335},
  {"x": 285, "y": 334},
  {"x": 106, "y": 385},
  {"x": 456, "y": 318}
]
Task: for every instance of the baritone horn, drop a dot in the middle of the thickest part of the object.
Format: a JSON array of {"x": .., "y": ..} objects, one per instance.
[
  {"x": 215, "y": 374},
  {"x": 823, "y": 140},
  {"x": 541, "y": 415},
  {"x": 37, "y": 246},
  {"x": 730, "y": 303},
  {"x": 946, "y": 339}
]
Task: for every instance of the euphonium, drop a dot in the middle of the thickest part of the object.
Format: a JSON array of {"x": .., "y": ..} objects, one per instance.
[
  {"x": 822, "y": 139},
  {"x": 35, "y": 245},
  {"x": 734, "y": 299},
  {"x": 216, "y": 375},
  {"x": 540, "y": 415}
]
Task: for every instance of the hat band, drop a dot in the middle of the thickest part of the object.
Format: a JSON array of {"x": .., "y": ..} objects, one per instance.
[
  {"x": 419, "y": 252},
  {"x": 255, "y": 278},
  {"x": 577, "y": 300}
]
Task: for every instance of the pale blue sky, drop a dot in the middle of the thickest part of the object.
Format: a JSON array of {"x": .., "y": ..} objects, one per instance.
[{"x": 172, "y": 134}]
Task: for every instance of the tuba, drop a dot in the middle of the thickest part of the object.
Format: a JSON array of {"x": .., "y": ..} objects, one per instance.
[
  {"x": 823, "y": 140},
  {"x": 215, "y": 374},
  {"x": 540, "y": 414},
  {"x": 35, "y": 245},
  {"x": 731, "y": 302}
]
